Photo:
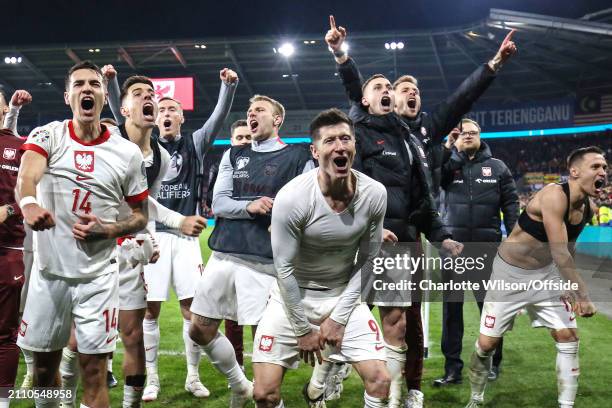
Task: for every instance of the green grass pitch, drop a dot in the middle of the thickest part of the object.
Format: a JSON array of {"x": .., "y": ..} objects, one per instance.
[{"x": 527, "y": 379}]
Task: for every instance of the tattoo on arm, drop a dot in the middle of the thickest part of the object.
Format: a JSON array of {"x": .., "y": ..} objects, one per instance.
[{"x": 135, "y": 222}]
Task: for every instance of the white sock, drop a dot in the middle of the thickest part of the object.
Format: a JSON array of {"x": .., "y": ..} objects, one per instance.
[
  {"x": 568, "y": 370},
  {"x": 150, "y": 330},
  {"x": 319, "y": 376},
  {"x": 373, "y": 402},
  {"x": 4, "y": 402},
  {"x": 132, "y": 396},
  {"x": 221, "y": 354},
  {"x": 109, "y": 365},
  {"x": 192, "y": 351},
  {"x": 69, "y": 371},
  {"x": 480, "y": 365},
  {"x": 396, "y": 360},
  {"x": 28, "y": 358}
]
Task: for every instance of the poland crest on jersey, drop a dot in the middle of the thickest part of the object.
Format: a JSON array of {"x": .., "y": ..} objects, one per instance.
[
  {"x": 84, "y": 160},
  {"x": 9, "y": 154},
  {"x": 486, "y": 172}
]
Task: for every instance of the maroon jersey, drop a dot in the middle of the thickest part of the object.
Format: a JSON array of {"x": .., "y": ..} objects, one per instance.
[{"x": 11, "y": 230}]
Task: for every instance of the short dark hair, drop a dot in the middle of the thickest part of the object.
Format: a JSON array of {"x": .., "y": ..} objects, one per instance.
[
  {"x": 329, "y": 117},
  {"x": 370, "y": 79},
  {"x": 167, "y": 98},
  {"x": 82, "y": 65},
  {"x": 578, "y": 154},
  {"x": 238, "y": 123},
  {"x": 135, "y": 79}
]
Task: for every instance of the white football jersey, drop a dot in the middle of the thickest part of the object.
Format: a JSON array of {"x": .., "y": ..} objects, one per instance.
[{"x": 82, "y": 178}]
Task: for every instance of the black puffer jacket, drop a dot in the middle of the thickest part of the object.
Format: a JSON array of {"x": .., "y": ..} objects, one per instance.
[
  {"x": 382, "y": 154},
  {"x": 429, "y": 128},
  {"x": 475, "y": 192}
]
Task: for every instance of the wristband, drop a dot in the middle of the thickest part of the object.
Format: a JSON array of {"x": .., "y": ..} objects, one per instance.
[{"x": 27, "y": 200}]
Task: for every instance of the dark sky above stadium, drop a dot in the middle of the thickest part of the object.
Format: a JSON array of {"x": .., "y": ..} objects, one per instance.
[{"x": 85, "y": 21}]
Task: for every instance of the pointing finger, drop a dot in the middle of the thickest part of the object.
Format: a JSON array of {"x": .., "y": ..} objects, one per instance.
[
  {"x": 332, "y": 22},
  {"x": 509, "y": 36}
]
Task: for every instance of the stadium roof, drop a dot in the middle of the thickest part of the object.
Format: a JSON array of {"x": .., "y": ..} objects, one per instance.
[{"x": 557, "y": 57}]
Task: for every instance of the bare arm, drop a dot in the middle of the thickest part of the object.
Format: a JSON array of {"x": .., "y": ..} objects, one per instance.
[
  {"x": 553, "y": 207},
  {"x": 91, "y": 228}
]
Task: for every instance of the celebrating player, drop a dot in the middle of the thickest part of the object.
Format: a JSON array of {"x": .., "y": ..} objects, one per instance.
[
  {"x": 540, "y": 249},
  {"x": 320, "y": 222},
  {"x": 237, "y": 279},
  {"x": 12, "y": 234},
  {"x": 83, "y": 173},
  {"x": 178, "y": 251}
]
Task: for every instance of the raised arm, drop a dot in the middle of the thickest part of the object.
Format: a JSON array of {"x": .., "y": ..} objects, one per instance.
[
  {"x": 205, "y": 136},
  {"x": 19, "y": 99},
  {"x": 448, "y": 113},
  {"x": 349, "y": 73},
  {"x": 114, "y": 92},
  {"x": 553, "y": 206}
]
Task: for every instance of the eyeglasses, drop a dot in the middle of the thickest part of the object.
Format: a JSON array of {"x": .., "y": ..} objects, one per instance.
[{"x": 471, "y": 133}]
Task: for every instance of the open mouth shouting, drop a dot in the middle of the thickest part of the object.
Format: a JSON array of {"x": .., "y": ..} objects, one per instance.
[
  {"x": 385, "y": 101},
  {"x": 599, "y": 185},
  {"x": 167, "y": 124},
  {"x": 87, "y": 105},
  {"x": 253, "y": 125},
  {"x": 148, "y": 111},
  {"x": 411, "y": 103},
  {"x": 341, "y": 164}
]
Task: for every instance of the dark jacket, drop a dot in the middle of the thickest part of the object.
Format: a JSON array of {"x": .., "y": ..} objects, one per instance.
[
  {"x": 475, "y": 192},
  {"x": 430, "y": 129},
  {"x": 382, "y": 154}
]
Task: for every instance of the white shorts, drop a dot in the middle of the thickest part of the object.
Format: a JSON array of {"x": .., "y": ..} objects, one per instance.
[
  {"x": 54, "y": 302},
  {"x": 275, "y": 341},
  {"x": 132, "y": 286},
  {"x": 28, "y": 259},
  {"x": 232, "y": 288},
  {"x": 179, "y": 264},
  {"x": 545, "y": 308}
]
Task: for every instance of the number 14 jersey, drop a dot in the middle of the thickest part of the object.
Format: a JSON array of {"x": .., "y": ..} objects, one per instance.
[{"x": 91, "y": 177}]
